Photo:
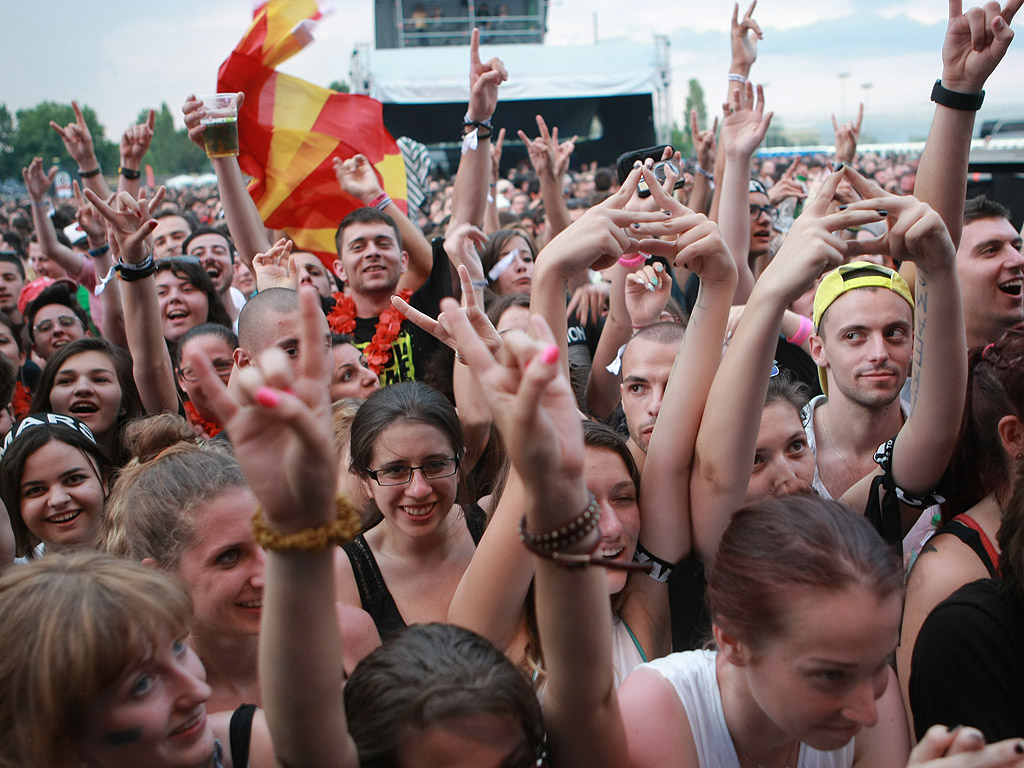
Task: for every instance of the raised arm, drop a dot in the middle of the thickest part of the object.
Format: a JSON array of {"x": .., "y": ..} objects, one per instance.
[
  {"x": 665, "y": 485},
  {"x": 244, "y": 221},
  {"x": 938, "y": 384},
  {"x": 847, "y": 136},
  {"x": 101, "y": 251},
  {"x": 135, "y": 143},
  {"x": 535, "y": 410},
  {"x": 722, "y": 467},
  {"x": 357, "y": 177},
  {"x": 151, "y": 362},
  {"x": 550, "y": 159},
  {"x": 704, "y": 149},
  {"x": 38, "y": 184},
  {"x": 743, "y": 129},
  {"x": 279, "y": 424},
  {"x": 595, "y": 240},
  {"x": 77, "y": 139},
  {"x": 974, "y": 45},
  {"x": 472, "y": 180}
]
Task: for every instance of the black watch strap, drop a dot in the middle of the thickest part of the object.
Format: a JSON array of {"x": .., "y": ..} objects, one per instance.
[{"x": 968, "y": 102}]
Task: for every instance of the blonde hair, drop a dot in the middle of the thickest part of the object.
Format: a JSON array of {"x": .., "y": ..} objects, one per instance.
[
  {"x": 149, "y": 513},
  {"x": 72, "y": 626}
]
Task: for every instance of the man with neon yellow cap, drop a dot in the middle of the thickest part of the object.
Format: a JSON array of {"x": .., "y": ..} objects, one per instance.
[{"x": 863, "y": 345}]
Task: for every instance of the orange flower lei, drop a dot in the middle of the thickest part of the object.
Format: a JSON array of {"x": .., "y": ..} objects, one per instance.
[
  {"x": 211, "y": 428},
  {"x": 343, "y": 320},
  {"x": 21, "y": 401}
]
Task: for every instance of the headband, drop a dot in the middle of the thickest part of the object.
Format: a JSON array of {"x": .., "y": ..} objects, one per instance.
[{"x": 34, "y": 420}]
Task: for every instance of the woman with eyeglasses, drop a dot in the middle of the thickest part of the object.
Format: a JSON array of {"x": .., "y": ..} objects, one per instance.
[
  {"x": 219, "y": 344},
  {"x": 407, "y": 448}
]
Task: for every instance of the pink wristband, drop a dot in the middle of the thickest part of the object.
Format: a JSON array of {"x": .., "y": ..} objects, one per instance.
[
  {"x": 803, "y": 332},
  {"x": 377, "y": 201},
  {"x": 635, "y": 261}
]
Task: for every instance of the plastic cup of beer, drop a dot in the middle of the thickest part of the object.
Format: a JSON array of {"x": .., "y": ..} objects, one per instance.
[{"x": 221, "y": 121}]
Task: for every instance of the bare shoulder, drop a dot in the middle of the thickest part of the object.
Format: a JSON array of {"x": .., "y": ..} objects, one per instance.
[
  {"x": 657, "y": 728},
  {"x": 261, "y": 750},
  {"x": 345, "y": 589},
  {"x": 944, "y": 565}
]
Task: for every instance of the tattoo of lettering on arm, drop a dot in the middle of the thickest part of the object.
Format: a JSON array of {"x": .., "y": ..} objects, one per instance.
[{"x": 921, "y": 316}]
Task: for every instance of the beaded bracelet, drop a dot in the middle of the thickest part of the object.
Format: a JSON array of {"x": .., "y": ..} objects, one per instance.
[
  {"x": 572, "y": 532},
  {"x": 583, "y": 559},
  {"x": 341, "y": 531}
]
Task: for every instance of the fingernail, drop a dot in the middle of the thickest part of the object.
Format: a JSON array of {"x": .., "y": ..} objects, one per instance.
[
  {"x": 882, "y": 213},
  {"x": 637, "y": 164},
  {"x": 650, "y": 287},
  {"x": 654, "y": 280},
  {"x": 838, "y": 168},
  {"x": 843, "y": 207},
  {"x": 550, "y": 354},
  {"x": 659, "y": 267},
  {"x": 636, "y": 225},
  {"x": 289, "y": 390},
  {"x": 1019, "y": 746},
  {"x": 667, "y": 213},
  {"x": 954, "y": 728},
  {"x": 267, "y": 397}
]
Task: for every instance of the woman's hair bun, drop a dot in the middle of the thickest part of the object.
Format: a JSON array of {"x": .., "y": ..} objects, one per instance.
[{"x": 151, "y": 436}]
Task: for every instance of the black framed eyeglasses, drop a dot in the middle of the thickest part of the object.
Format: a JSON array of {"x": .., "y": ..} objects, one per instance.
[
  {"x": 769, "y": 210},
  {"x": 400, "y": 475}
]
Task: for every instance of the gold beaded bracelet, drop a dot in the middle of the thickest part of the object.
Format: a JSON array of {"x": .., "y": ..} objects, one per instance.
[{"x": 341, "y": 531}]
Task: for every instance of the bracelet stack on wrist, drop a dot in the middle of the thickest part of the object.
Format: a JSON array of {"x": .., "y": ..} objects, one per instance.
[
  {"x": 89, "y": 174},
  {"x": 477, "y": 125},
  {"x": 129, "y": 174},
  {"x": 380, "y": 202},
  {"x": 129, "y": 273}
]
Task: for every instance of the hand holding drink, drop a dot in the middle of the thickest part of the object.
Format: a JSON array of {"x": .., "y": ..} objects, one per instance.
[{"x": 220, "y": 134}]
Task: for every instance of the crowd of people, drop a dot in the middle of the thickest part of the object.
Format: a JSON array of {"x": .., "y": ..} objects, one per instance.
[{"x": 567, "y": 467}]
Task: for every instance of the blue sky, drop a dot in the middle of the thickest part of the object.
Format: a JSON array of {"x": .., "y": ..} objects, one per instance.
[{"x": 120, "y": 57}]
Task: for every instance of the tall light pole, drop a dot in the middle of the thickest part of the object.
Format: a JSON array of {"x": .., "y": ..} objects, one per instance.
[
  {"x": 843, "y": 77},
  {"x": 866, "y": 87}
]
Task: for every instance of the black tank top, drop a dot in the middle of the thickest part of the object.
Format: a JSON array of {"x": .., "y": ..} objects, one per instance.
[{"x": 373, "y": 592}]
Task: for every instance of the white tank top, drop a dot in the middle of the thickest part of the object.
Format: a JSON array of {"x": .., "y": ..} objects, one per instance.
[{"x": 692, "y": 674}]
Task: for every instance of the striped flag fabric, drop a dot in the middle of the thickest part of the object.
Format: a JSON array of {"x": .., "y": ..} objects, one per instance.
[{"x": 290, "y": 131}]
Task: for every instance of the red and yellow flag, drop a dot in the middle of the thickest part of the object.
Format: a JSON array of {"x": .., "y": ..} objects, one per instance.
[{"x": 289, "y": 131}]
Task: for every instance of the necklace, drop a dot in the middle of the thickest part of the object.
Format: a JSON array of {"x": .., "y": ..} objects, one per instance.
[
  {"x": 833, "y": 445},
  {"x": 789, "y": 755},
  {"x": 342, "y": 319}
]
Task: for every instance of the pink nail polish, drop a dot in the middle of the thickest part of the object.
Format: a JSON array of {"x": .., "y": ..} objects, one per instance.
[
  {"x": 267, "y": 397},
  {"x": 550, "y": 354}
]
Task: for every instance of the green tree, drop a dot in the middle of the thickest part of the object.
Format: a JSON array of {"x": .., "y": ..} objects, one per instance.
[
  {"x": 7, "y": 134},
  {"x": 340, "y": 86},
  {"x": 172, "y": 152},
  {"x": 682, "y": 139},
  {"x": 34, "y": 137}
]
